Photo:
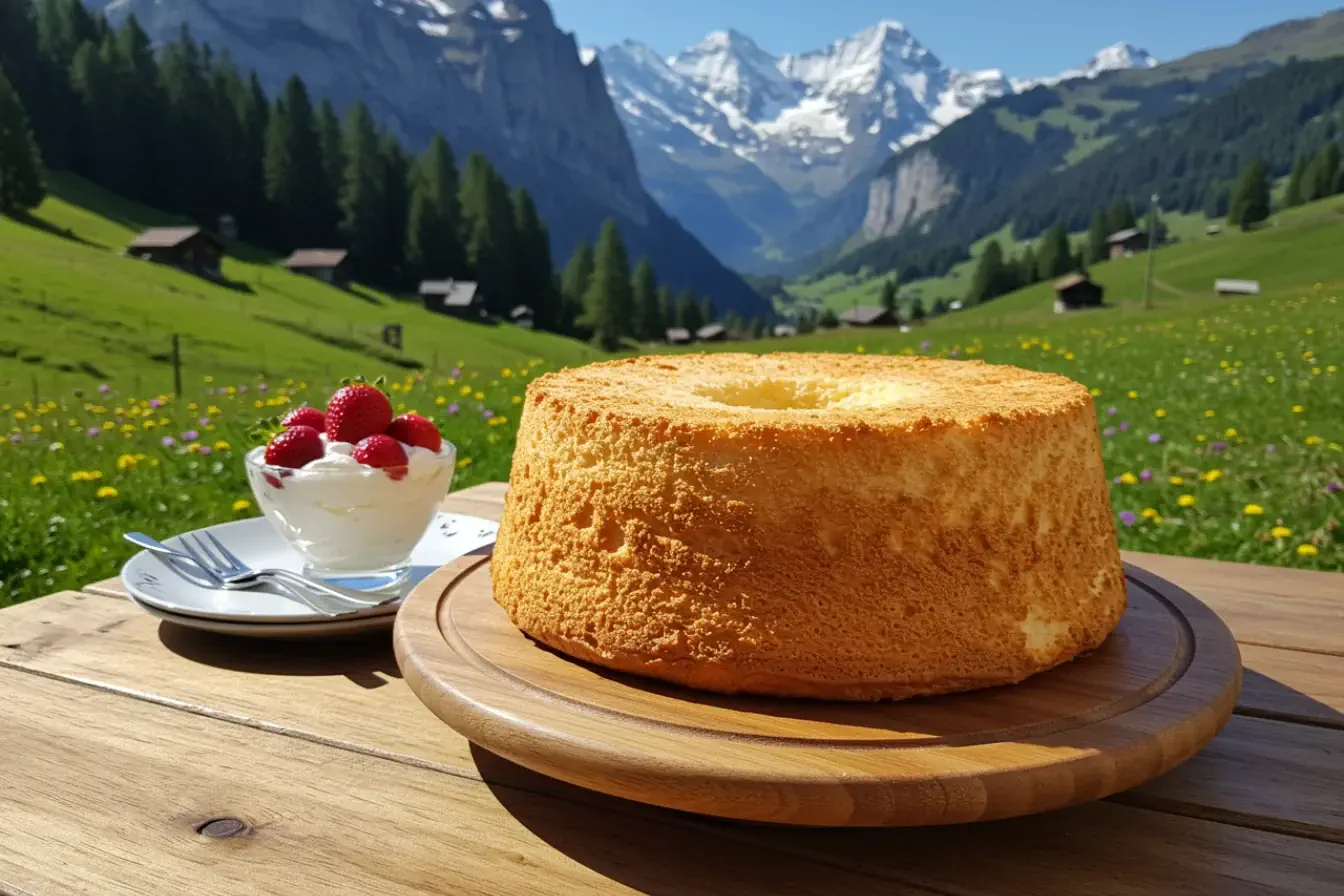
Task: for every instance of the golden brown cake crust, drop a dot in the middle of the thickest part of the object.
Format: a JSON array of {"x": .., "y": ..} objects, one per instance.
[{"x": 843, "y": 527}]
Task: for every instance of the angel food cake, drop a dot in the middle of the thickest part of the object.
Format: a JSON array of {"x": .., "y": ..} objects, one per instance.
[{"x": 828, "y": 526}]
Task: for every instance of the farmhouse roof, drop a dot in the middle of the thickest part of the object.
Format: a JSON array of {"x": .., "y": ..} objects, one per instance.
[
  {"x": 1121, "y": 236},
  {"x": 520, "y": 311},
  {"x": 709, "y": 331},
  {"x": 163, "y": 237},
  {"x": 784, "y": 330},
  {"x": 316, "y": 258},
  {"x": 1070, "y": 281},
  {"x": 863, "y": 314},
  {"x": 455, "y": 293},
  {"x": 678, "y": 334}
]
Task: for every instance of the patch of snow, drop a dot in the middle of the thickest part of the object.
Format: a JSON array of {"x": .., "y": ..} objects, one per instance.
[
  {"x": 587, "y": 55},
  {"x": 433, "y": 29}
]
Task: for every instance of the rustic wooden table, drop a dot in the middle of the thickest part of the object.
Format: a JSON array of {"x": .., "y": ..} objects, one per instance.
[{"x": 121, "y": 738}]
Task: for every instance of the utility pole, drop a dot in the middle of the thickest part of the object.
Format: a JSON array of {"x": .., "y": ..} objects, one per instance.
[{"x": 1152, "y": 245}]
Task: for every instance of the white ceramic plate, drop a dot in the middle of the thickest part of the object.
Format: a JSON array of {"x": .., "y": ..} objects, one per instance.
[
  {"x": 154, "y": 585},
  {"x": 331, "y": 628}
]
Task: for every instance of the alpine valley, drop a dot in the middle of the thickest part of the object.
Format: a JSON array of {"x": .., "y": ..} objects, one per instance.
[{"x": 768, "y": 157}]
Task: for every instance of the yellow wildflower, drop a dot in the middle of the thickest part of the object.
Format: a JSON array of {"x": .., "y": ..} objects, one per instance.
[
  {"x": 466, "y": 390},
  {"x": 1230, "y": 433},
  {"x": 1253, "y": 510},
  {"x": 1096, "y": 393},
  {"x": 241, "y": 505},
  {"x": 1186, "y": 500},
  {"x": 1189, "y": 361},
  {"x": 1281, "y": 532},
  {"x": 1133, "y": 394},
  {"x": 1176, "y": 480},
  {"x": 479, "y": 396},
  {"x": 1159, "y": 413},
  {"x": 1297, "y": 409},
  {"x": 1210, "y": 412},
  {"x": 222, "y": 445},
  {"x": 20, "y": 415},
  {"x": 464, "y": 463},
  {"x": 1149, "y": 514},
  {"x": 106, "y": 493},
  {"x": 517, "y": 399},
  {"x": 194, "y": 448},
  {"x": 126, "y": 462},
  {"x": 506, "y": 372},
  {"x": 1307, "y": 550},
  {"x": 1212, "y": 476},
  {"x": 1314, "y": 440},
  {"x": 440, "y": 401},
  {"x": 38, "y": 479},
  {"x": 1128, "y": 479}
]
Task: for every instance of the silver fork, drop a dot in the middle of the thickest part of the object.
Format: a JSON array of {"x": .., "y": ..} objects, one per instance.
[
  {"x": 229, "y": 576},
  {"x": 234, "y": 569}
]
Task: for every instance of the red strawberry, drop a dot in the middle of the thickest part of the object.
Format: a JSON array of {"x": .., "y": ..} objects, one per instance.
[
  {"x": 356, "y": 411},
  {"x": 294, "y": 447},
  {"x": 415, "y": 430},
  {"x": 305, "y": 416},
  {"x": 384, "y": 452}
]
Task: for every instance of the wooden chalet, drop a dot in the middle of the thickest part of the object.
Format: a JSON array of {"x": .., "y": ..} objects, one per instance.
[
  {"x": 784, "y": 331},
  {"x": 712, "y": 333},
  {"x": 189, "y": 248},
  {"x": 456, "y": 298},
  {"x": 868, "y": 316},
  {"x": 677, "y": 336},
  {"x": 328, "y": 265},
  {"x": 1077, "y": 291},
  {"x": 523, "y": 316}
]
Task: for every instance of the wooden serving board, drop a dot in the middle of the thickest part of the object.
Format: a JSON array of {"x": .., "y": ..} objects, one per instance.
[{"x": 1152, "y": 696}]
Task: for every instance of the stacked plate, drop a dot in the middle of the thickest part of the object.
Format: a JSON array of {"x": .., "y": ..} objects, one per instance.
[{"x": 269, "y": 614}]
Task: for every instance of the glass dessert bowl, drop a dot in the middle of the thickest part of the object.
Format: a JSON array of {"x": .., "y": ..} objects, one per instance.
[{"x": 353, "y": 524}]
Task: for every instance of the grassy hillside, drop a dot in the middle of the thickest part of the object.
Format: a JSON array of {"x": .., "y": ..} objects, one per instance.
[{"x": 75, "y": 313}]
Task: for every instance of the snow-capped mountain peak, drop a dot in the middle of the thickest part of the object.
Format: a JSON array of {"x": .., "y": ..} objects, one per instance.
[{"x": 1116, "y": 57}]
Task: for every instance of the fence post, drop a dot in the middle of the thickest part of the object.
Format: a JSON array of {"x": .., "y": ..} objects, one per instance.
[{"x": 177, "y": 368}]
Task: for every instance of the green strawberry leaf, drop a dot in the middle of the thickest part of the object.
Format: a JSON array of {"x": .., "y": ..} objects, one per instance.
[{"x": 265, "y": 429}]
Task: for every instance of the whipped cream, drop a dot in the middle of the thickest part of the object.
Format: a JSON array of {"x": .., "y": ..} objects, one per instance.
[{"x": 344, "y": 517}]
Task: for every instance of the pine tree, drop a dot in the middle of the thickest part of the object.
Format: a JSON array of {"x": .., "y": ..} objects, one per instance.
[
  {"x": 101, "y": 153},
  {"x": 295, "y": 180},
  {"x": 828, "y": 320},
  {"x": 989, "y": 275},
  {"x": 187, "y": 145},
  {"x": 1121, "y": 217},
  {"x": 1055, "y": 258},
  {"x": 917, "y": 310},
  {"x": 888, "y": 298},
  {"x": 689, "y": 315},
  {"x": 1296, "y": 193},
  {"x": 395, "y": 166},
  {"x": 1250, "y": 196},
  {"x": 143, "y": 109},
  {"x": 573, "y": 285},
  {"x": 708, "y": 312},
  {"x": 333, "y": 171},
  {"x": 40, "y": 81},
  {"x": 253, "y": 112},
  {"x": 21, "y": 187},
  {"x": 533, "y": 278},
  {"x": 757, "y": 327},
  {"x": 1097, "y": 248},
  {"x": 363, "y": 198},
  {"x": 648, "y": 315},
  {"x": 667, "y": 310},
  {"x": 1323, "y": 173},
  {"x": 608, "y": 301},
  {"x": 1028, "y": 265},
  {"x": 487, "y": 219},
  {"x": 433, "y": 235},
  {"x": 733, "y": 323}
]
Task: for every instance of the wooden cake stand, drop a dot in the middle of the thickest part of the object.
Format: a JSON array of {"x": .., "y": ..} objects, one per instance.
[{"x": 1152, "y": 696}]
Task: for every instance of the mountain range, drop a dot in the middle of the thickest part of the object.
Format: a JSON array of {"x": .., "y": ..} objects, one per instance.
[
  {"x": 495, "y": 76},
  {"x": 747, "y": 148}
]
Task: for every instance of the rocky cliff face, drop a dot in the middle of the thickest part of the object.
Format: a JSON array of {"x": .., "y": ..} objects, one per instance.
[
  {"x": 496, "y": 76},
  {"x": 919, "y": 186}
]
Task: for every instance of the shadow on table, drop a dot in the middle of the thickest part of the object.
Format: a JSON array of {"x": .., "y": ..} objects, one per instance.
[
  {"x": 367, "y": 660},
  {"x": 1265, "y": 697}
]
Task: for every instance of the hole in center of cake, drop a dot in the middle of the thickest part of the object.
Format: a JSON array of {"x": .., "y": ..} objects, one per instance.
[{"x": 784, "y": 394}]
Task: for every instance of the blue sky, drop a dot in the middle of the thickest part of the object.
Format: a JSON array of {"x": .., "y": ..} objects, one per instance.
[{"x": 1025, "y": 37}]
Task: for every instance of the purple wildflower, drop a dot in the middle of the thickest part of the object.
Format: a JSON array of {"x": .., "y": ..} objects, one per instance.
[
  {"x": 1271, "y": 449},
  {"x": 1334, "y": 487},
  {"x": 15, "y": 438},
  {"x": 94, "y": 432},
  {"x": 1117, "y": 480},
  {"x": 924, "y": 346},
  {"x": 952, "y": 354},
  {"x": 1146, "y": 475},
  {"x": 1155, "y": 437},
  {"x": 1218, "y": 447},
  {"x": 168, "y": 441},
  {"x": 1128, "y": 518},
  {"x": 104, "y": 389},
  {"x": 1108, "y": 432},
  {"x": 1111, "y": 410},
  {"x": 155, "y": 403},
  {"x": 453, "y": 408},
  {"x": 487, "y": 413},
  {"x": 206, "y": 449},
  {"x": 242, "y": 388},
  {"x": 204, "y": 421},
  {"x": 262, "y": 387},
  {"x": 190, "y": 435},
  {"x": 1124, "y": 426}
]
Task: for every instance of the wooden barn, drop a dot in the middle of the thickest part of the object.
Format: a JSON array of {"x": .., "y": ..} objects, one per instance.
[
  {"x": 712, "y": 333},
  {"x": 456, "y": 298},
  {"x": 328, "y": 265},
  {"x": 189, "y": 248},
  {"x": 868, "y": 316},
  {"x": 678, "y": 336},
  {"x": 1127, "y": 242},
  {"x": 523, "y": 316},
  {"x": 1077, "y": 291}
]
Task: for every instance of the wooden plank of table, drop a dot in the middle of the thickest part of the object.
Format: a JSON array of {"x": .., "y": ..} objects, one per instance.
[
  {"x": 104, "y": 795},
  {"x": 1295, "y": 609},
  {"x": 486, "y": 500},
  {"x": 346, "y": 693},
  {"x": 1292, "y": 685}
]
